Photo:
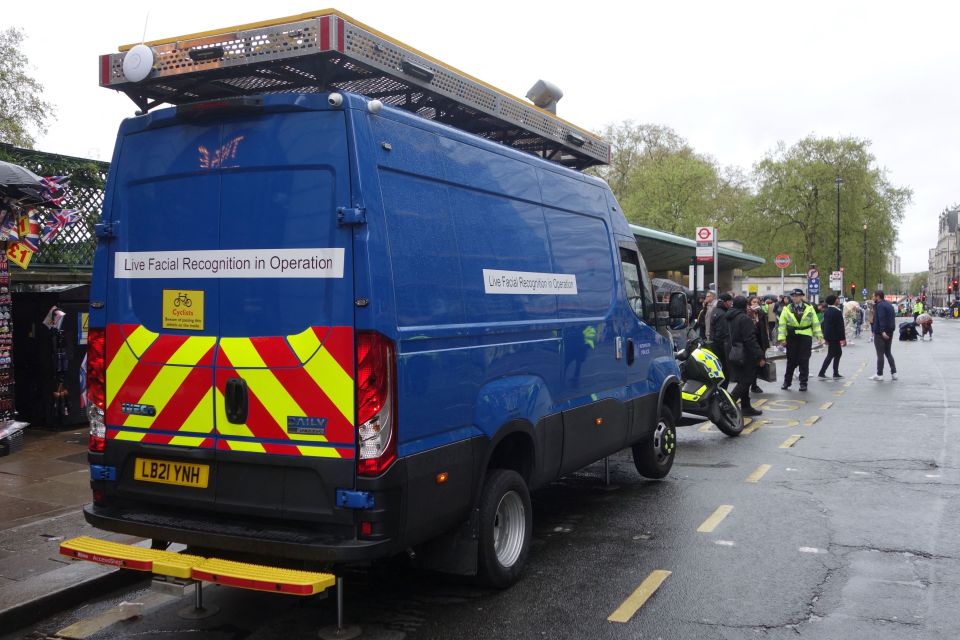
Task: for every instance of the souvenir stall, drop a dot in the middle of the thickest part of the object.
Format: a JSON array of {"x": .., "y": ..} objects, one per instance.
[{"x": 31, "y": 215}]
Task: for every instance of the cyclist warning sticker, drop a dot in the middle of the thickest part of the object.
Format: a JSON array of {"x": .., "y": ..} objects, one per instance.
[{"x": 183, "y": 309}]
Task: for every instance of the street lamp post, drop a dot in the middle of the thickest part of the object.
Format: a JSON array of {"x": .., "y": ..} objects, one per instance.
[
  {"x": 865, "y": 287},
  {"x": 838, "y": 181}
]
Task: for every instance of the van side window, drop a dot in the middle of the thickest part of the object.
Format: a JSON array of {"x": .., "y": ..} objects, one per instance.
[{"x": 637, "y": 283}]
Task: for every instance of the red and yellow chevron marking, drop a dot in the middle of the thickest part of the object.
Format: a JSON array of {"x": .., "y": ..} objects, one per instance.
[
  {"x": 174, "y": 374},
  {"x": 184, "y": 377},
  {"x": 319, "y": 384}
]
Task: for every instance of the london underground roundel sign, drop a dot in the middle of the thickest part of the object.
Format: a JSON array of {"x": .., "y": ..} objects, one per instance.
[{"x": 782, "y": 261}]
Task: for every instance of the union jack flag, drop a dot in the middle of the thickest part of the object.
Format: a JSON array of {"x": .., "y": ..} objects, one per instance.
[
  {"x": 57, "y": 220},
  {"x": 30, "y": 231},
  {"x": 8, "y": 229},
  {"x": 56, "y": 191}
]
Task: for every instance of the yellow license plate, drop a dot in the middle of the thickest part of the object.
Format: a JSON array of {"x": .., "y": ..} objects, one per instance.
[{"x": 184, "y": 474}]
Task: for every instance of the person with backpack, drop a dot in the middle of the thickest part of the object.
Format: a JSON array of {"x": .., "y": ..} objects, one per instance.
[{"x": 798, "y": 326}]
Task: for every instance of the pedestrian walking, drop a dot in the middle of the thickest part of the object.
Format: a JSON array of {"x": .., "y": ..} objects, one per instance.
[
  {"x": 798, "y": 326},
  {"x": 884, "y": 322},
  {"x": 770, "y": 311},
  {"x": 719, "y": 331},
  {"x": 917, "y": 309},
  {"x": 859, "y": 321},
  {"x": 703, "y": 319},
  {"x": 755, "y": 313},
  {"x": 925, "y": 320},
  {"x": 743, "y": 354},
  {"x": 850, "y": 309},
  {"x": 834, "y": 334}
]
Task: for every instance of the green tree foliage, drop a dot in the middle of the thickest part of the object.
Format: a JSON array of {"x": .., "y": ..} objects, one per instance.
[
  {"x": 794, "y": 210},
  {"x": 661, "y": 182},
  {"x": 918, "y": 282},
  {"x": 21, "y": 103}
]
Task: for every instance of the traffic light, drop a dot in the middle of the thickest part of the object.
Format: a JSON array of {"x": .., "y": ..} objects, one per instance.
[
  {"x": 949, "y": 288},
  {"x": 853, "y": 289},
  {"x": 955, "y": 284}
]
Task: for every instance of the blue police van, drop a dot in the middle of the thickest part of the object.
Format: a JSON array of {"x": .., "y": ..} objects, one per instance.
[{"x": 331, "y": 327}]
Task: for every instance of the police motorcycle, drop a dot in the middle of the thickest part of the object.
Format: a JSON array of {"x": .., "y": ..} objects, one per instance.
[{"x": 702, "y": 394}]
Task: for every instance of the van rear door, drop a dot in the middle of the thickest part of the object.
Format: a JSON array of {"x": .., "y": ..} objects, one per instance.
[{"x": 230, "y": 335}]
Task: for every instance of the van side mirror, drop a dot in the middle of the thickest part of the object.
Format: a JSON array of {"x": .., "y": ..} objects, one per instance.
[{"x": 678, "y": 310}]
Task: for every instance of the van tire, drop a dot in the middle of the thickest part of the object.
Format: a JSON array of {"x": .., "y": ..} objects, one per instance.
[
  {"x": 653, "y": 456},
  {"x": 506, "y": 526}
]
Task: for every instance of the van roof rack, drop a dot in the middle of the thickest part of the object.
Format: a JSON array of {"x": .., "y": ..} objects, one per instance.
[{"x": 330, "y": 51}]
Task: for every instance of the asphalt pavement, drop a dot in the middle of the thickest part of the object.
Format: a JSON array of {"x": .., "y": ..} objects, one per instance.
[{"x": 835, "y": 515}]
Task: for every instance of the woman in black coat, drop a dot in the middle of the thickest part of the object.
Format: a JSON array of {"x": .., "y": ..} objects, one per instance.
[
  {"x": 763, "y": 338},
  {"x": 743, "y": 331},
  {"x": 835, "y": 335}
]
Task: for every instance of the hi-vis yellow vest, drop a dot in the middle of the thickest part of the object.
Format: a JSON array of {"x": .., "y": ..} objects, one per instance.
[{"x": 807, "y": 325}]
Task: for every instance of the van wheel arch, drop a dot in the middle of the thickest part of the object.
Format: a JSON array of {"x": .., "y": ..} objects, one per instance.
[
  {"x": 511, "y": 448},
  {"x": 670, "y": 397}
]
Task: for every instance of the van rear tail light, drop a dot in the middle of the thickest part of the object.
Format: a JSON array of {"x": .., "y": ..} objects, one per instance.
[
  {"x": 96, "y": 388},
  {"x": 376, "y": 403}
]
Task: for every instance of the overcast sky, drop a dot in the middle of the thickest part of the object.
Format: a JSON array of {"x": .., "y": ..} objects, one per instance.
[{"x": 733, "y": 78}]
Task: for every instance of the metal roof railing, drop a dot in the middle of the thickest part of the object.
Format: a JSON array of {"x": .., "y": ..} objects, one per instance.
[{"x": 329, "y": 51}]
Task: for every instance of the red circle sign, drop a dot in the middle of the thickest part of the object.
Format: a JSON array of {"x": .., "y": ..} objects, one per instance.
[
  {"x": 704, "y": 233},
  {"x": 782, "y": 261}
]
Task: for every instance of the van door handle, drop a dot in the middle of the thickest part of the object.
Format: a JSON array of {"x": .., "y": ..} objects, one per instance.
[
  {"x": 235, "y": 400},
  {"x": 630, "y": 354}
]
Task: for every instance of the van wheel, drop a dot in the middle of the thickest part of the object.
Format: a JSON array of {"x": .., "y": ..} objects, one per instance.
[
  {"x": 506, "y": 525},
  {"x": 653, "y": 456}
]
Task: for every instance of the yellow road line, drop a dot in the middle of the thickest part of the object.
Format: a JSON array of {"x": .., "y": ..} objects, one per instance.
[
  {"x": 754, "y": 425},
  {"x": 789, "y": 442},
  {"x": 637, "y": 599},
  {"x": 838, "y": 393},
  {"x": 758, "y": 473},
  {"x": 760, "y": 402},
  {"x": 711, "y": 523},
  {"x": 705, "y": 427},
  {"x": 848, "y": 384},
  {"x": 812, "y": 420},
  {"x": 825, "y": 406}
]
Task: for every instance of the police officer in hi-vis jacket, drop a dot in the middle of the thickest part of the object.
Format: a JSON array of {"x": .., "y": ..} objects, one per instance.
[{"x": 798, "y": 326}]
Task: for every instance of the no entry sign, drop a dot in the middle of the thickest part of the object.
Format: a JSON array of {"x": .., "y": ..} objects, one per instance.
[{"x": 782, "y": 261}]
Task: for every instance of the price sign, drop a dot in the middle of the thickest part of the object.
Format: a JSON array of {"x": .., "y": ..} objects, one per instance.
[{"x": 19, "y": 254}]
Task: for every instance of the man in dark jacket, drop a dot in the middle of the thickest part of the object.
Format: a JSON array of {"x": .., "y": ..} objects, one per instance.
[
  {"x": 720, "y": 332},
  {"x": 884, "y": 322},
  {"x": 742, "y": 332},
  {"x": 834, "y": 335}
]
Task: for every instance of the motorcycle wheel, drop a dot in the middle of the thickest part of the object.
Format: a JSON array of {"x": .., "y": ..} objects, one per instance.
[{"x": 730, "y": 419}]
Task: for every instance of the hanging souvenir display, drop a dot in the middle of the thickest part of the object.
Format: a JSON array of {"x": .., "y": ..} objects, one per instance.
[{"x": 30, "y": 216}]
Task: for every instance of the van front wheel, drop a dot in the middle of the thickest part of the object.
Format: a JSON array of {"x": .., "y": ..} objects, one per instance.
[
  {"x": 653, "y": 456},
  {"x": 506, "y": 525}
]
